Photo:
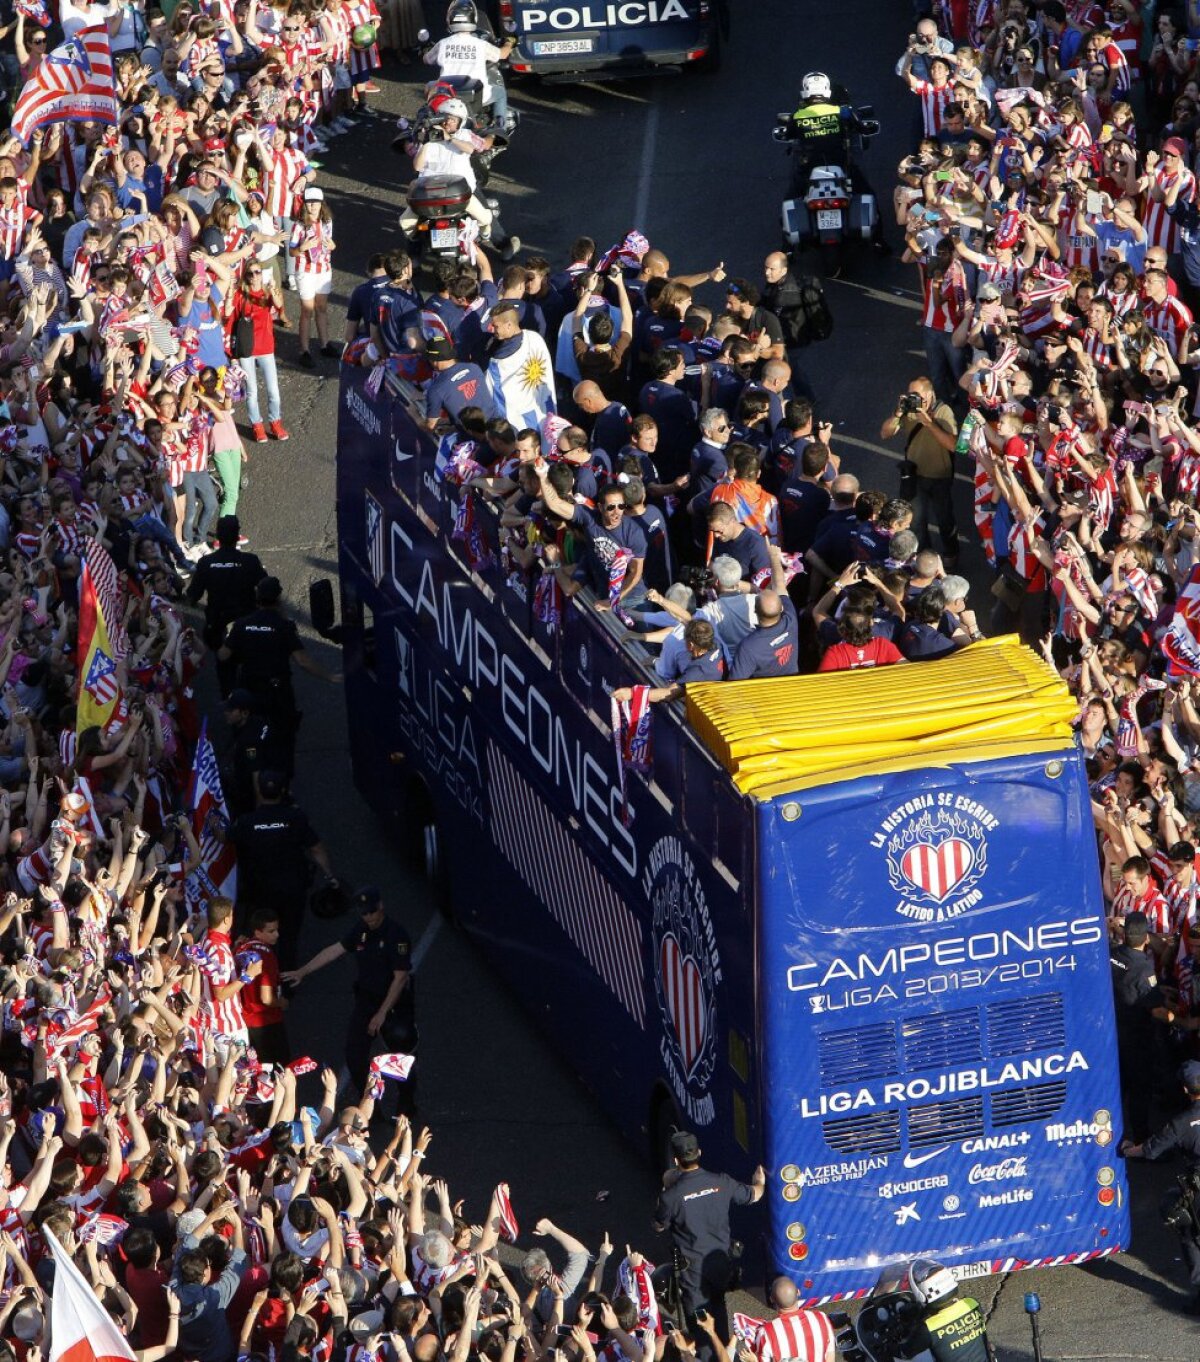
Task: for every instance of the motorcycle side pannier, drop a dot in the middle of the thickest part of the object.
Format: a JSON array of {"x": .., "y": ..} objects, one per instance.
[{"x": 438, "y": 196}]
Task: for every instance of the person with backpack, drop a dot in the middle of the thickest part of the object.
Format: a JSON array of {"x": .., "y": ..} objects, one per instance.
[{"x": 802, "y": 311}]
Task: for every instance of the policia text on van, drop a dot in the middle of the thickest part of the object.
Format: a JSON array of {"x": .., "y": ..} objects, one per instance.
[{"x": 614, "y": 39}]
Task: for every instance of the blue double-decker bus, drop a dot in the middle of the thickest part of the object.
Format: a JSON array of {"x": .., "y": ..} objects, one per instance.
[{"x": 883, "y": 974}]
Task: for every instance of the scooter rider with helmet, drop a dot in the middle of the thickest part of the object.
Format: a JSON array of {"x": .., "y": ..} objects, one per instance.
[
  {"x": 447, "y": 150},
  {"x": 467, "y": 54},
  {"x": 952, "y": 1328}
]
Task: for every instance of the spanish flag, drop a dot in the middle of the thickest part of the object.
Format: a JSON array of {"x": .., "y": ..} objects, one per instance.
[{"x": 98, "y": 684}]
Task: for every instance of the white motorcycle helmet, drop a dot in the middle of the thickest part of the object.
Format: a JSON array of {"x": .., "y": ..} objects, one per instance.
[
  {"x": 816, "y": 86},
  {"x": 462, "y": 17},
  {"x": 930, "y": 1282},
  {"x": 454, "y": 108}
]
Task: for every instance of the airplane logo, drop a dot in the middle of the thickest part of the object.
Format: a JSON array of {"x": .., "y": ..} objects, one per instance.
[
  {"x": 916, "y": 1160},
  {"x": 906, "y": 1213}
]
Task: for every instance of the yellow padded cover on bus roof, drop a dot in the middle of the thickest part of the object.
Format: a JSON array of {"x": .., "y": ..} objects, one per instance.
[{"x": 769, "y": 735}]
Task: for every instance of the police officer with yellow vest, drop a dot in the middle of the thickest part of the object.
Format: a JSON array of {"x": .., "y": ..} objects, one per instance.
[{"x": 953, "y": 1329}]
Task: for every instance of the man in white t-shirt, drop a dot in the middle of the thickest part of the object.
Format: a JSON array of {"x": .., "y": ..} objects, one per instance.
[
  {"x": 73, "y": 17},
  {"x": 465, "y": 54}
]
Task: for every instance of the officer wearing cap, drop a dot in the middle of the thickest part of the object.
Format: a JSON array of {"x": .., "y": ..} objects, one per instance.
[
  {"x": 694, "y": 1207},
  {"x": 1182, "y": 1134},
  {"x": 276, "y": 844},
  {"x": 262, "y": 646},
  {"x": 226, "y": 579},
  {"x": 384, "y": 1005},
  {"x": 258, "y": 745},
  {"x": 1140, "y": 1010}
]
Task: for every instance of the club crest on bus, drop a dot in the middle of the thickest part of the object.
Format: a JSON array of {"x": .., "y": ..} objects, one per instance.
[
  {"x": 935, "y": 859},
  {"x": 686, "y": 972}
]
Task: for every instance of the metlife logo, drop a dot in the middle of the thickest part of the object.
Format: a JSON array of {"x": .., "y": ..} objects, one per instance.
[{"x": 1012, "y": 1196}]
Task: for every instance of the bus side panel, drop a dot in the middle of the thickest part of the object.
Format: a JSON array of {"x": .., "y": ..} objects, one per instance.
[
  {"x": 613, "y": 925},
  {"x": 939, "y": 1053}
]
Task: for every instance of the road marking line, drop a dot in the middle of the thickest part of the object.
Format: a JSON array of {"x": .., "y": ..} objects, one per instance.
[
  {"x": 899, "y": 297},
  {"x": 887, "y": 453},
  {"x": 645, "y": 171}
]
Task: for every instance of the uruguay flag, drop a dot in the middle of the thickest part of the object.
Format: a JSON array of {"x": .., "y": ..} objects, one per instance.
[{"x": 521, "y": 380}]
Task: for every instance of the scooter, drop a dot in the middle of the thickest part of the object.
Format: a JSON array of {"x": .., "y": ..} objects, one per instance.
[
  {"x": 468, "y": 90},
  {"x": 830, "y": 205}
]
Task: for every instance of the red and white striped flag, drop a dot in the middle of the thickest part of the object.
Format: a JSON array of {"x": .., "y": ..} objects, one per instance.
[
  {"x": 396, "y": 1066},
  {"x": 746, "y": 1327},
  {"x": 508, "y": 1221},
  {"x": 73, "y": 84},
  {"x": 82, "y": 1026},
  {"x": 108, "y": 591},
  {"x": 217, "y": 871},
  {"x": 103, "y": 1229}
]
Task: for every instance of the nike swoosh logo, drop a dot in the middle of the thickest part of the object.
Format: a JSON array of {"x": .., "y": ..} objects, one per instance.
[{"x": 916, "y": 1160}]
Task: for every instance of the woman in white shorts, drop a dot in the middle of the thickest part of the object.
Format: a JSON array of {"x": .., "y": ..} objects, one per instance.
[{"x": 311, "y": 250}]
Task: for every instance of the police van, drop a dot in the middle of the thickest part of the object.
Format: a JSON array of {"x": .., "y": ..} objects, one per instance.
[{"x": 613, "y": 39}]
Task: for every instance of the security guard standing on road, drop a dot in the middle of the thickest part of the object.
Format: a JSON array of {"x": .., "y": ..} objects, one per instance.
[
  {"x": 226, "y": 578},
  {"x": 262, "y": 646},
  {"x": 384, "y": 1002},
  {"x": 259, "y": 744},
  {"x": 1182, "y": 1134},
  {"x": 1140, "y": 1008},
  {"x": 694, "y": 1207},
  {"x": 275, "y": 845}
]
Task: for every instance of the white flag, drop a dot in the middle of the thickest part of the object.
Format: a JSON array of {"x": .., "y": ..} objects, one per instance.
[
  {"x": 80, "y": 1327},
  {"x": 522, "y": 382}
]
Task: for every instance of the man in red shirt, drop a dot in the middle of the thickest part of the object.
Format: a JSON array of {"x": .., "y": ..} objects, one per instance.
[
  {"x": 859, "y": 648},
  {"x": 262, "y": 1002}
]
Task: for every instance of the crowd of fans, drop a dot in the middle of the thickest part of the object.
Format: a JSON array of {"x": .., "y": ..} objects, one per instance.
[{"x": 682, "y": 479}]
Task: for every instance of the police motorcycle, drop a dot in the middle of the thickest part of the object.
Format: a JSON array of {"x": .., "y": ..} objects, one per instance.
[
  {"x": 911, "y": 1316},
  {"x": 830, "y": 205},
  {"x": 464, "y": 18},
  {"x": 443, "y": 229}
]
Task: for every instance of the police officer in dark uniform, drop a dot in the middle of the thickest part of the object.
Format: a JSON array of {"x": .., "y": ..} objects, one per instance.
[
  {"x": 258, "y": 745},
  {"x": 384, "y": 1000},
  {"x": 226, "y": 578},
  {"x": 694, "y": 1207},
  {"x": 1141, "y": 1009},
  {"x": 276, "y": 844},
  {"x": 953, "y": 1328},
  {"x": 1182, "y": 1134},
  {"x": 262, "y": 647}
]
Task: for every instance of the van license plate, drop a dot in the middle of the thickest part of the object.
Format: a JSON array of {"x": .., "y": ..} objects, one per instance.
[
  {"x": 555, "y": 47},
  {"x": 829, "y": 219}
]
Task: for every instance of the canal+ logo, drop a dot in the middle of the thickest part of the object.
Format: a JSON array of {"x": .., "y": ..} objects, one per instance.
[{"x": 936, "y": 850}]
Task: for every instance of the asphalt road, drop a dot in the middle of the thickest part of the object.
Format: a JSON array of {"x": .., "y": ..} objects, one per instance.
[{"x": 689, "y": 161}]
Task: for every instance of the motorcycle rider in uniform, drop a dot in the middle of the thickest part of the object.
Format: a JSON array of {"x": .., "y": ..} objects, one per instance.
[
  {"x": 822, "y": 130},
  {"x": 468, "y": 54},
  {"x": 952, "y": 1330}
]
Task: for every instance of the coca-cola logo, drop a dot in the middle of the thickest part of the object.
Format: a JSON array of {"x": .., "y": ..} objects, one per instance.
[{"x": 1003, "y": 1171}]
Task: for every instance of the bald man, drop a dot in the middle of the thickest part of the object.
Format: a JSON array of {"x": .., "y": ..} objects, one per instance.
[
  {"x": 771, "y": 649},
  {"x": 608, "y": 423},
  {"x": 795, "y": 1335},
  {"x": 781, "y": 295}
]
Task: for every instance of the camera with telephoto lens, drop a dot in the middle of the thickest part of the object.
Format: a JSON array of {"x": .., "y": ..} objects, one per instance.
[
  {"x": 1178, "y": 1210},
  {"x": 698, "y": 580},
  {"x": 910, "y": 404}
]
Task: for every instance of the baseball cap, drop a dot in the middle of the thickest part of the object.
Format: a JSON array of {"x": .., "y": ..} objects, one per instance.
[
  {"x": 239, "y": 699},
  {"x": 685, "y": 1147},
  {"x": 1137, "y": 929},
  {"x": 1190, "y": 1073},
  {"x": 268, "y": 591},
  {"x": 440, "y": 348},
  {"x": 368, "y": 899},
  {"x": 1176, "y": 145},
  {"x": 314, "y": 195},
  {"x": 988, "y": 293}
]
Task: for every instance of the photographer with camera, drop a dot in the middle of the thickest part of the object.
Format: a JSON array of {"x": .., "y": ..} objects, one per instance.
[
  {"x": 927, "y": 472},
  {"x": 1182, "y": 1134}
]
